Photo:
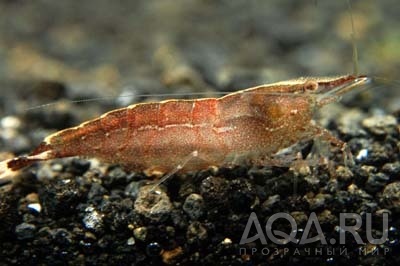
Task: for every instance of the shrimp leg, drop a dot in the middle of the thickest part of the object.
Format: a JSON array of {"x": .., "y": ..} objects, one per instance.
[
  {"x": 328, "y": 137},
  {"x": 180, "y": 166}
]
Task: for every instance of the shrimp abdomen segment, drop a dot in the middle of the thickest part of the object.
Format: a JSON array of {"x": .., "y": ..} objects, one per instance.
[{"x": 143, "y": 136}]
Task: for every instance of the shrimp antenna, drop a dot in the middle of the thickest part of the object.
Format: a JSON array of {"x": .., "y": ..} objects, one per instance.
[
  {"x": 353, "y": 41},
  {"x": 159, "y": 95}
]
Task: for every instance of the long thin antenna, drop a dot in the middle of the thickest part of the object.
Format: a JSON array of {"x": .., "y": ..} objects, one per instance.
[
  {"x": 160, "y": 95},
  {"x": 353, "y": 41}
]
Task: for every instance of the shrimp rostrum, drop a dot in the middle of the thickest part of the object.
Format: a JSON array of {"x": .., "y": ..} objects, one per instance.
[{"x": 244, "y": 127}]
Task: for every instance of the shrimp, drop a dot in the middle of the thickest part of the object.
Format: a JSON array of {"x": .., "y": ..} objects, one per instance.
[{"x": 245, "y": 127}]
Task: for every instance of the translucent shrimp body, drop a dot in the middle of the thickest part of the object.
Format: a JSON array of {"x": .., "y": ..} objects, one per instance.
[{"x": 245, "y": 127}]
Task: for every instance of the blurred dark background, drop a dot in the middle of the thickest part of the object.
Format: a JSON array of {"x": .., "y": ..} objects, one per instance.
[{"x": 107, "y": 48}]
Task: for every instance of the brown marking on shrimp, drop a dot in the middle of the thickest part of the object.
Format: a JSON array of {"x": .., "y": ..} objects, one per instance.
[{"x": 245, "y": 127}]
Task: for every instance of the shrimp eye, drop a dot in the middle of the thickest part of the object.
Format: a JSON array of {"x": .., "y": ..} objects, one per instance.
[{"x": 310, "y": 86}]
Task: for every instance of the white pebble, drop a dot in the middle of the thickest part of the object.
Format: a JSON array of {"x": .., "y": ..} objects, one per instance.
[
  {"x": 362, "y": 154},
  {"x": 10, "y": 122},
  {"x": 35, "y": 206}
]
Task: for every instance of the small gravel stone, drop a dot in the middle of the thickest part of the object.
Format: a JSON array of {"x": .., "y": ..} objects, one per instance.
[
  {"x": 391, "y": 197},
  {"x": 170, "y": 231},
  {"x": 17, "y": 142},
  {"x": 360, "y": 146},
  {"x": 35, "y": 207},
  {"x": 115, "y": 176},
  {"x": 270, "y": 201},
  {"x": 376, "y": 182},
  {"x": 154, "y": 249},
  {"x": 154, "y": 205},
  {"x": 46, "y": 172},
  {"x": 344, "y": 173},
  {"x": 318, "y": 200},
  {"x": 140, "y": 233},
  {"x": 79, "y": 166},
  {"x": 93, "y": 219},
  {"x": 226, "y": 241},
  {"x": 10, "y": 122},
  {"x": 32, "y": 198},
  {"x": 33, "y": 203},
  {"x": 349, "y": 123},
  {"x": 194, "y": 206},
  {"x": 96, "y": 190},
  {"x": 326, "y": 217},
  {"x": 312, "y": 180},
  {"x": 214, "y": 190},
  {"x": 132, "y": 189},
  {"x": 362, "y": 154},
  {"x": 355, "y": 190},
  {"x": 380, "y": 125},
  {"x": 243, "y": 194},
  {"x": 62, "y": 236},
  {"x": 377, "y": 154},
  {"x": 130, "y": 241},
  {"x": 196, "y": 231},
  {"x": 367, "y": 170},
  {"x": 25, "y": 231},
  {"x": 299, "y": 216},
  {"x": 392, "y": 169},
  {"x": 170, "y": 256}
]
